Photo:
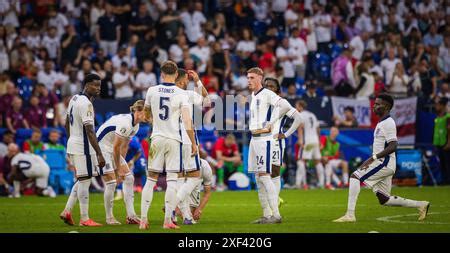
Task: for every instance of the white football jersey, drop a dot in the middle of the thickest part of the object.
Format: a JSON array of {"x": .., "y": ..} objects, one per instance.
[
  {"x": 279, "y": 124},
  {"x": 27, "y": 161},
  {"x": 206, "y": 172},
  {"x": 195, "y": 99},
  {"x": 80, "y": 112},
  {"x": 261, "y": 106},
  {"x": 385, "y": 132},
  {"x": 122, "y": 124},
  {"x": 310, "y": 127},
  {"x": 166, "y": 101}
]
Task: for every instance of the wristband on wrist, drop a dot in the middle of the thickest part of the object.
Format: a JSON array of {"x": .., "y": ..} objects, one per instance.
[
  {"x": 199, "y": 83},
  {"x": 374, "y": 157}
]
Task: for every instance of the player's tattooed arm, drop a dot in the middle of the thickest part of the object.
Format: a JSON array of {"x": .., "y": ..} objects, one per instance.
[{"x": 93, "y": 141}]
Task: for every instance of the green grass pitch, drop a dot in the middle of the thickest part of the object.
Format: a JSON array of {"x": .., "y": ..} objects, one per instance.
[{"x": 304, "y": 212}]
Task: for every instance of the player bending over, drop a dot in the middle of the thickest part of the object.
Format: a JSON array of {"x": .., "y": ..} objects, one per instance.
[
  {"x": 29, "y": 166},
  {"x": 278, "y": 143},
  {"x": 83, "y": 149},
  {"x": 164, "y": 105},
  {"x": 377, "y": 171},
  {"x": 309, "y": 149}
]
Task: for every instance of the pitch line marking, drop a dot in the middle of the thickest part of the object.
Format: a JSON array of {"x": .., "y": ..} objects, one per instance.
[{"x": 389, "y": 219}]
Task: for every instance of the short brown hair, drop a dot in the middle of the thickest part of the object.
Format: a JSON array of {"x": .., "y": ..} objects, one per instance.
[
  {"x": 181, "y": 74},
  {"x": 169, "y": 68},
  {"x": 302, "y": 103},
  {"x": 256, "y": 70},
  {"x": 137, "y": 106}
]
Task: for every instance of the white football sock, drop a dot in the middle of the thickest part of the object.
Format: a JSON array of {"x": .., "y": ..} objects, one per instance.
[
  {"x": 399, "y": 201},
  {"x": 263, "y": 198},
  {"x": 147, "y": 197},
  {"x": 128, "y": 195},
  {"x": 320, "y": 174},
  {"x": 16, "y": 187},
  {"x": 277, "y": 183},
  {"x": 96, "y": 185},
  {"x": 170, "y": 200},
  {"x": 83, "y": 198},
  {"x": 185, "y": 209},
  {"x": 213, "y": 181},
  {"x": 353, "y": 196},
  {"x": 72, "y": 198},
  {"x": 345, "y": 177},
  {"x": 180, "y": 182},
  {"x": 187, "y": 188},
  {"x": 336, "y": 179},
  {"x": 300, "y": 175},
  {"x": 328, "y": 172},
  {"x": 108, "y": 198},
  {"x": 271, "y": 194}
]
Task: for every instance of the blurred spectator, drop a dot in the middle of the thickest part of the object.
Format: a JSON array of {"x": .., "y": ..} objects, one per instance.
[
  {"x": 428, "y": 80},
  {"x": 123, "y": 56},
  {"x": 389, "y": 64},
  {"x": 349, "y": 120},
  {"x": 141, "y": 21},
  {"x": 108, "y": 33},
  {"x": 298, "y": 48},
  {"x": 291, "y": 92},
  {"x": 398, "y": 85},
  {"x": 9, "y": 11},
  {"x": 35, "y": 115},
  {"x": 6, "y": 100},
  {"x": 245, "y": 47},
  {"x": 226, "y": 152},
  {"x": 267, "y": 60},
  {"x": 322, "y": 23},
  {"x": 193, "y": 19},
  {"x": 332, "y": 160},
  {"x": 48, "y": 75},
  {"x": 34, "y": 145},
  {"x": 170, "y": 26},
  {"x": 108, "y": 89},
  {"x": 359, "y": 44},
  {"x": 48, "y": 101},
  {"x": 54, "y": 141},
  {"x": 122, "y": 80},
  {"x": 5, "y": 82},
  {"x": 15, "y": 117},
  {"x": 342, "y": 75},
  {"x": 366, "y": 86},
  {"x": 219, "y": 63},
  {"x": 51, "y": 43},
  {"x": 201, "y": 54},
  {"x": 57, "y": 20},
  {"x": 85, "y": 70},
  {"x": 441, "y": 135},
  {"x": 285, "y": 56},
  {"x": 176, "y": 50},
  {"x": 145, "y": 79},
  {"x": 432, "y": 38},
  {"x": 311, "y": 89},
  {"x": 72, "y": 86},
  {"x": 70, "y": 43},
  {"x": 8, "y": 137},
  {"x": 444, "y": 91},
  {"x": 444, "y": 54}
]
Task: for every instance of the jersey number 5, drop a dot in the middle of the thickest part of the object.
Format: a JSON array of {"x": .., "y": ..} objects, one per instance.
[{"x": 164, "y": 108}]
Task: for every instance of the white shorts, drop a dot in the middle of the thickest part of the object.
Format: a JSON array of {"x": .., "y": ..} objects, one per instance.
[
  {"x": 259, "y": 156},
  {"x": 190, "y": 163},
  {"x": 40, "y": 173},
  {"x": 194, "y": 197},
  {"x": 378, "y": 176},
  {"x": 310, "y": 152},
  {"x": 334, "y": 163},
  {"x": 85, "y": 165},
  {"x": 165, "y": 153},
  {"x": 110, "y": 167},
  {"x": 277, "y": 149}
]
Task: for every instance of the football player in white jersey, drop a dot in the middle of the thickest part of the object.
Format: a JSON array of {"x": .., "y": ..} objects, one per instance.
[
  {"x": 190, "y": 178},
  {"x": 82, "y": 147},
  {"x": 166, "y": 106},
  {"x": 24, "y": 166},
  {"x": 377, "y": 171},
  {"x": 259, "y": 159},
  {"x": 278, "y": 145},
  {"x": 309, "y": 146}
]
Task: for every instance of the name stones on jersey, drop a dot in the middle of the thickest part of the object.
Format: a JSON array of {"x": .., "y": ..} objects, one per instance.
[{"x": 166, "y": 90}]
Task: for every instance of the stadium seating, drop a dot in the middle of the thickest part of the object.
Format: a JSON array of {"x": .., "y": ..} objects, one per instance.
[{"x": 60, "y": 179}]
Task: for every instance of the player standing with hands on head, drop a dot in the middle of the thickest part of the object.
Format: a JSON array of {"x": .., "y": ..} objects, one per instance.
[
  {"x": 259, "y": 159},
  {"x": 377, "y": 171},
  {"x": 165, "y": 105},
  {"x": 83, "y": 149}
]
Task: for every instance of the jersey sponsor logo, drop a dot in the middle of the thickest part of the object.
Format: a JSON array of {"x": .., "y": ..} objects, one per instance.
[{"x": 123, "y": 130}]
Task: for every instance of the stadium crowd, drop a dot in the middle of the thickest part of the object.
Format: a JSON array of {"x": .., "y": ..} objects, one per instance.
[{"x": 319, "y": 48}]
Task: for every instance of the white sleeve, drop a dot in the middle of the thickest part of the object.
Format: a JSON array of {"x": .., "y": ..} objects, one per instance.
[
  {"x": 349, "y": 71},
  {"x": 15, "y": 160},
  {"x": 206, "y": 173},
  {"x": 123, "y": 130},
  {"x": 148, "y": 97},
  {"x": 115, "y": 78},
  {"x": 297, "y": 121},
  {"x": 281, "y": 108},
  {"x": 87, "y": 113},
  {"x": 390, "y": 131}
]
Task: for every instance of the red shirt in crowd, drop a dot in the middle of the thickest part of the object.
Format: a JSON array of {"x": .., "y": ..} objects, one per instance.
[
  {"x": 227, "y": 151},
  {"x": 49, "y": 101},
  {"x": 267, "y": 61},
  {"x": 36, "y": 117},
  {"x": 5, "y": 102}
]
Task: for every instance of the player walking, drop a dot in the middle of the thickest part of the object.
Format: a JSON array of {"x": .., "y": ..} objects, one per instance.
[
  {"x": 377, "y": 171},
  {"x": 165, "y": 104},
  {"x": 81, "y": 145}
]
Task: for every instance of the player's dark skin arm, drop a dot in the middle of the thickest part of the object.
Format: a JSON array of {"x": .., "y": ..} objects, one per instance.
[
  {"x": 93, "y": 141},
  {"x": 67, "y": 126}
]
